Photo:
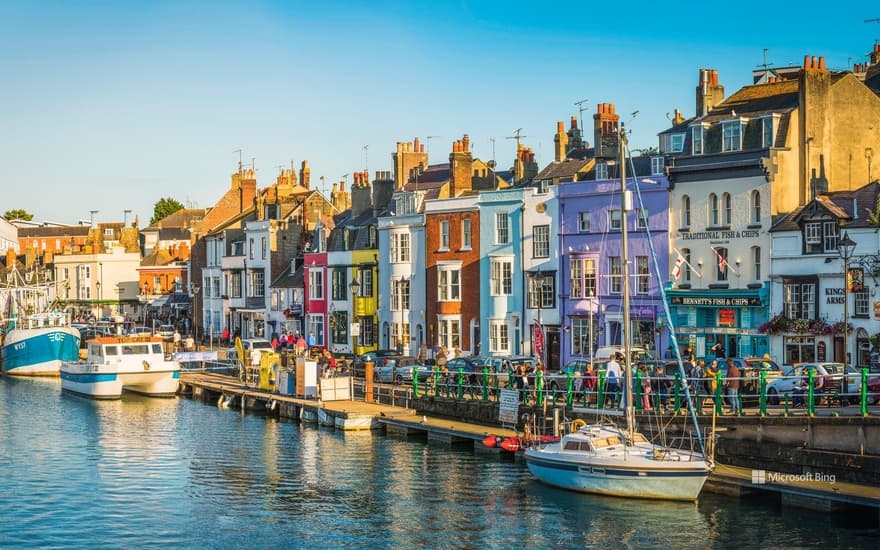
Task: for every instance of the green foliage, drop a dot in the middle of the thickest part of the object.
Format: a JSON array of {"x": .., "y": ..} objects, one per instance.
[
  {"x": 18, "y": 214},
  {"x": 649, "y": 152},
  {"x": 165, "y": 207},
  {"x": 874, "y": 215}
]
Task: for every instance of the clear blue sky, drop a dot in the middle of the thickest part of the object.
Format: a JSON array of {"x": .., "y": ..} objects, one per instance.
[{"x": 112, "y": 105}]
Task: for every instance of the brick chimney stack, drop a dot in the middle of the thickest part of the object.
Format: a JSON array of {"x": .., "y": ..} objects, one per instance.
[
  {"x": 605, "y": 127},
  {"x": 305, "y": 174},
  {"x": 461, "y": 164},
  {"x": 709, "y": 92},
  {"x": 560, "y": 142},
  {"x": 409, "y": 155}
]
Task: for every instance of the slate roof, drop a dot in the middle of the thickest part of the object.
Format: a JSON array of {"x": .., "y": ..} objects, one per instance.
[
  {"x": 563, "y": 170},
  {"x": 289, "y": 279},
  {"x": 174, "y": 234},
  {"x": 53, "y": 231},
  {"x": 185, "y": 217},
  {"x": 836, "y": 204}
]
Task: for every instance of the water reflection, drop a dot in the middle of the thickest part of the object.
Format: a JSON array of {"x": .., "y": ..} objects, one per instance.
[{"x": 143, "y": 472}]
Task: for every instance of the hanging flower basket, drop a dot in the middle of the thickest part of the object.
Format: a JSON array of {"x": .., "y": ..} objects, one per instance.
[{"x": 781, "y": 324}]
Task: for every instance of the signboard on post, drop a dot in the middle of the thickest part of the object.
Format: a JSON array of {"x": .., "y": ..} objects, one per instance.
[
  {"x": 508, "y": 406},
  {"x": 354, "y": 329}
]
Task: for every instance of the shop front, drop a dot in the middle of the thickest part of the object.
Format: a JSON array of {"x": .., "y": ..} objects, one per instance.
[{"x": 718, "y": 324}]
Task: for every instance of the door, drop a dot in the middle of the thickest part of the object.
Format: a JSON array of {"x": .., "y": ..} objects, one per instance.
[{"x": 554, "y": 340}]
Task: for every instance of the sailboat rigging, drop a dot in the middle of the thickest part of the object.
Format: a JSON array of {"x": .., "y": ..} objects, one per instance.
[{"x": 606, "y": 460}]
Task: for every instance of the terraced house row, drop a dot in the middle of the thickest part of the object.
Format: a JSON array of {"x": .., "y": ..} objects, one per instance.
[{"x": 741, "y": 210}]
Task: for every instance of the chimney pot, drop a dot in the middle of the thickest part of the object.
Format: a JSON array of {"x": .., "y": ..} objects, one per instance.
[
  {"x": 574, "y": 122},
  {"x": 815, "y": 64},
  {"x": 822, "y": 62},
  {"x": 560, "y": 127},
  {"x": 465, "y": 141},
  {"x": 421, "y": 148},
  {"x": 806, "y": 61}
]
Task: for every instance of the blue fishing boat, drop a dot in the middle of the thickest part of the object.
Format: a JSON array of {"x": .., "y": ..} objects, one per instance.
[{"x": 37, "y": 345}]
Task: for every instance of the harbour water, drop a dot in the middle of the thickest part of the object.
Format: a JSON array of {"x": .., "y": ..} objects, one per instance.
[{"x": 144, "y": 473}]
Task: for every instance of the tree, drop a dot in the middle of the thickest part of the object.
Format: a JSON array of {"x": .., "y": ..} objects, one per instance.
[
  {"x": 649, "y": 152},
  {"x": 165, "y": 207},
  {"x": 18, "y": 214}
]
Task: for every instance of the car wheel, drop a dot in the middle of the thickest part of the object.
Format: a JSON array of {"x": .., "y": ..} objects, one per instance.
[
  {"x": 398, "y": 379},
  {"x": 772, "y": 396}
]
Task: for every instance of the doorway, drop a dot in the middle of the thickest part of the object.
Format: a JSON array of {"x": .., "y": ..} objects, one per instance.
[{"x": 553, "y": 345}]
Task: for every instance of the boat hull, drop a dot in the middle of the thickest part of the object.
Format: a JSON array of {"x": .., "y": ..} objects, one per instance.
[
  {"x": 39, "y": 351},
  {"x": 104, "y": 382},
  {"x": 640, "y": 481}
]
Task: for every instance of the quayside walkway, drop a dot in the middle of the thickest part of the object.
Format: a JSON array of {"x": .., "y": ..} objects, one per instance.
[{"x": 819, "y": 492}]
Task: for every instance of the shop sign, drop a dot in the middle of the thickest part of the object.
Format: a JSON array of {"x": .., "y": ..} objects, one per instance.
[
  {"x": 719, "y": 235},
  {"x": 834, "y": 296},
  {"x": 717, "y": 301},
  {"x": 726, "y": 317}
]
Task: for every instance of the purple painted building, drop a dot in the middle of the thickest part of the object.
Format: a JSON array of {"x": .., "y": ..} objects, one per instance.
[{"x": 590, "y": 260}]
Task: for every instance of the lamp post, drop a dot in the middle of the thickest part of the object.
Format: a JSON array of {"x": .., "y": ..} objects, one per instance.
[
  {"x": 538, "y": 286},
  {"x": 195, "y": 288},
  {"x": 354, "y": 286},
  {"x": 845, "y": 248}
]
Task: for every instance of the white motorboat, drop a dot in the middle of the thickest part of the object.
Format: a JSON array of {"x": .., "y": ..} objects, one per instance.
[
  {"x": 114, "y": 364},
  {"x": 622, "y": 462},
  {"x": 603, "y": 460}
]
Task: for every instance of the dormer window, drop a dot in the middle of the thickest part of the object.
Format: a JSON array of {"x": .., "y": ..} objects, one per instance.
[
  {"x": 657, "y": 165},
  {"x": 768, "y": 131},
  {"x": 732, "y": 133},
  {"x": 676, "y": 143},
  {"x": 820, "y": 237},
  {"x": 601, "y": 171},
  {"x": 697, "y": 139}
]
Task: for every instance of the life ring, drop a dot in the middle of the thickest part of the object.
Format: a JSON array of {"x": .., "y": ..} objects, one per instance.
[
  {"x": 146, "y": 365},
  {"x": 577, "y": 424}
]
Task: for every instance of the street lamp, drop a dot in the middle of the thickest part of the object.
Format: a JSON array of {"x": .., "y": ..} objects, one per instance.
[
  {"x": 538, "y": 287},
  {"x": 354, "y": 286},
  {"x": 845, "y": 248}
]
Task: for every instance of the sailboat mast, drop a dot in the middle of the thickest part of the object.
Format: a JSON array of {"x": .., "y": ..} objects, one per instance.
[{"x": 625, "y": 207}]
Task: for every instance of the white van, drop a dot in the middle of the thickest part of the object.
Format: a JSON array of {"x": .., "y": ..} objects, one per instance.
[{"x": 638, "y": 354}]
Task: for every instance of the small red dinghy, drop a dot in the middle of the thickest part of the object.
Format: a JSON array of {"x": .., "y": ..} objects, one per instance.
[{"x": 492, "y": 441}]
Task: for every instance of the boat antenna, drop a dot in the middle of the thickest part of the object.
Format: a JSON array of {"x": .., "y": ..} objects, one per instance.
[
  {"x": 625, "y": 207},
  {"x": 669, "y": 323}
]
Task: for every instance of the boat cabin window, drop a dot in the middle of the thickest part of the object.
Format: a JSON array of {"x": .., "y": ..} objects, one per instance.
[
  {"x": 139, "y": 349},
  {"x": 577, "y": 446},
  {"x": 96, "y": 350},
  {"x": 639, "y": 438},
  {"x": 157, "y": 348},
  {"x": 601, "y": 442},
  {"x": 111, "y": 350}
]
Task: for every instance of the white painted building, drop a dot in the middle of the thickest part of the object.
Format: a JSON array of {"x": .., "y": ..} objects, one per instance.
[
  {"x": 8, "y": 236},
  {"x": 807, "y": 277},
  {"x": 402, "y": 275},
  {"x": 106, "y": 284}
]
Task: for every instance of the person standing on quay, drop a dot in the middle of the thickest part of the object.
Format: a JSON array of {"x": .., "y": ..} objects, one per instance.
[
  {"x": 733, "y": 375},
  {"x": 612, "y": 370},
  {"x": 176, "y": 340}
]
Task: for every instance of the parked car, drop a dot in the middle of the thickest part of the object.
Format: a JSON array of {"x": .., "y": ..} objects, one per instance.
[
  {"x": 832, "y": 383},
  {"x": 559, "y": 380},
  {"x": 873, "y": 390},
  {"x": 140, "y": 331},
  {"x": 472, "y": 367},
  {"x": 375, "y": 356},
  {"x": 255, "y": 343},
  {"x": 165, "y": 332},
  {"x": 637, "y": 354},
  {"x": 90, "y": 333},
  {"x": 399, "y": 370}
]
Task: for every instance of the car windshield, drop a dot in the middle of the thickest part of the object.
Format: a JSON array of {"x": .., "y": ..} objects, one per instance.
[
  {"x": 763, "y": 364},
  {"x": 260, "y": 345},
  {"x": 834, "y": 368}
]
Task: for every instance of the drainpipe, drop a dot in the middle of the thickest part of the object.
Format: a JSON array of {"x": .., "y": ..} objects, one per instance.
[{"x": 560, "y": 270}]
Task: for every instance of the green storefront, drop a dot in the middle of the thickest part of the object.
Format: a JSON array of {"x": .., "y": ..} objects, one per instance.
[{"x": 729, "y": 318}]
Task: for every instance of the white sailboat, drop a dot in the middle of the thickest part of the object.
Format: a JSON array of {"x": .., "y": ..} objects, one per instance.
[{"x": 608, "y": 460}]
